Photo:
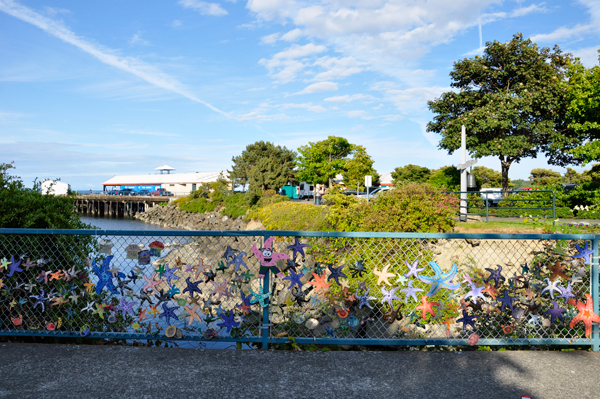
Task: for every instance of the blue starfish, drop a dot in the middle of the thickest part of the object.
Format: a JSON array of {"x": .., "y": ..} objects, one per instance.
[
  {"x": 133, "y": 276},
  {"x": 439, "y": 280},
  {"x": 260, "y": 298},
  {"x": 105, "y": 278},
  {"x": 410, "y": 291},
  {"x": 246, "y": 302},
  {"x": 168, "y": 313},
  {"x": 192, "y": 287},
  {"x": 125, "y": 307},
  {"x": 13, "y": 266},
  {"x": 584, "y": 253},
  {"x": 467, "y": 319},
  {"x": 507, "y": 301},
  {"x": 297, "y": 248},
  {"x": 336, "y": 273},
  {"x": 40, "y": 299},
  {"x": 173, "y": 290},
  {"x": 413, "y": 269},
  {"x": 358, "y": 269},
  {"x": 169, "y": 273},
  {"x": 495, "y": 275},
  {"x": 229, "y": 253},
  {"x": 566, "y": 292},
  {"x": 238, "y": 261},
  {"x": 228, "y": 321},
  {"x": 475, "y": 292},
  {"x": 555, "y": 312},
  {"x": 364, "y": 300},
  {"x": 294, "y": 278},
  {"x": 551, "y": 287}
]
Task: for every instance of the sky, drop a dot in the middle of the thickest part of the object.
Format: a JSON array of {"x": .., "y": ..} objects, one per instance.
[{"x": 89, "y": 90}]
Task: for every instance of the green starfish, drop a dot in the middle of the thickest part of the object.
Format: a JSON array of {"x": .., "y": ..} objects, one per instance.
[
  {"x": 247, "y": 275},
  {"x": 221, "y": 267},
  {"x": 161, "y": 270}
]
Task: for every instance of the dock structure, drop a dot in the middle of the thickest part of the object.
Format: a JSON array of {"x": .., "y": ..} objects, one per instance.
[{"x": 115, "y": 206}]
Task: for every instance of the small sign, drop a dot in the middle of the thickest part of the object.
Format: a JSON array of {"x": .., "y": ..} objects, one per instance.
[
  {"x": 467, "y": 164},
  {"x": 368, "y": 181}
]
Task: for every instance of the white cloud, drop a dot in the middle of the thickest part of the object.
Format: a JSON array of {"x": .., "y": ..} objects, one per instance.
[
  {"x": 204, "y": 7},
  {"x": 105, "y": 55},
  {"x": 292, "y": 35},
  {"x": 306, "y": 106},
  {"x": 149, "y": 133},
  {"x": 588, "y": 56},
  {"x": 298, "y": 51},
  {"x": 522, "y": 11},
  {"x": 336, "y": 68},
  {"x": 348, "y": 98},
  {"x": 563, "y": 33},
  {"x": 270, "y": 39},
  {"x": 137, "y": 39},
  {"x": 477, "y": 51},
  {"x": 355, "y": 114},
  {"x": 284, "y": 66},
  {"x": 319, "y": 87},
  {"x": 176, "y": 23}
]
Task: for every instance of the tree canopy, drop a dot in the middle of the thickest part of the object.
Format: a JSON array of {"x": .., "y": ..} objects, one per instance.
[
  {"x": 487, "y": 177},
  {"x": 543, "y": 177},
  {"x": 319, "y": 162},
  {"x": 264, "y": 166},
  {"x": 411, "y": 173},
  {"x": 359, "y": 166},
  {"x": 512, "y": 100}
]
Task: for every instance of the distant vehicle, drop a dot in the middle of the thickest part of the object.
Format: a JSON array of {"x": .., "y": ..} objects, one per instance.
[
  {"x": 492, "y": 195},
  {"x": 306, "y": 190},
  {"x": 524, "y": 189},
  {"x": 127, "y": 191},
  {"x": 143, "y": 192},
  {"x": 353, "y": 192},
  {"x": 374, "y": 192},
  {"x": 568, "y": 187},
  {"x": 111, "y": 192},
  {"x": 161, "y": 192}
]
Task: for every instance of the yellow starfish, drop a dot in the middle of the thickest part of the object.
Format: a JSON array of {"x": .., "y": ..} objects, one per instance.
[
  {"x": 89, "y": 286},
  {"x": 4, "y": 263}
]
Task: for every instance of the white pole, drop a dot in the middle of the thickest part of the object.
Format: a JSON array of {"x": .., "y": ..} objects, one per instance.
[{"x": 463, "y": 175}]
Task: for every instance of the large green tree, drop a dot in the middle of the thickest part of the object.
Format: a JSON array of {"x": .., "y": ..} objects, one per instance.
[
  {"x": 542, "y": 177},
  {"x": 359, "y": 166},
  {"x": 319, "y": 162},
  {"x": 487, "y": 177},
  {"x": 512, "y": 100},
  {"x": 264, "y": 166},
  {"x": 584, "y": 108},
  {"x": 411, "y": 173}
]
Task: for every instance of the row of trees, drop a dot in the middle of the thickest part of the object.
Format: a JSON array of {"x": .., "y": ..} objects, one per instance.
[{"x": 518, "y": 100}]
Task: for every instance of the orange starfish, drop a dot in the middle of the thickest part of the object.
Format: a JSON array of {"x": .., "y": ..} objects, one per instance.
[
  {"x": 427, "y": 307},
  {"x": 56, "y": 275},
  {"x": 319, "y": 282},
  {"x": 142, "y": 314},
  {"x": 586, "y": 314},
  {"x": 383, "y": 275},
  {"x": 244, "y": 308},
  {"x": 490, "y": 289},
  {"x": 193, "y": 314},
  {"x": 89, "y": 286},
  {"x": 59, "y": 300},
  {"x": 557, "y": 271},
  {"x": 154, "y": 311}
]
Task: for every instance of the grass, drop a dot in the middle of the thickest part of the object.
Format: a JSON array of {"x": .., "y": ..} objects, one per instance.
[{"x": 498, "y": 226}]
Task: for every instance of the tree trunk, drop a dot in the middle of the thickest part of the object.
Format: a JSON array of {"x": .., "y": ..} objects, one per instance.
[{"x": 505, "y": 167}]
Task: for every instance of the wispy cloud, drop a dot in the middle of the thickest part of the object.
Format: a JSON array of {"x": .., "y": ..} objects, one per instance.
[
  {"x": 108, "y": 56},
  {"x": 150, "y": 133},
  {"x": 348, "y": 98},
  {"x": 137, "y": 39},
  {"x": 204, "y": 7},
  {"x": 319, "y": 87}
]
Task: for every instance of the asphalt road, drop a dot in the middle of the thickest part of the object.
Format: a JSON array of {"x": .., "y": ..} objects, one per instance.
[{"x": 70, "y": 371}]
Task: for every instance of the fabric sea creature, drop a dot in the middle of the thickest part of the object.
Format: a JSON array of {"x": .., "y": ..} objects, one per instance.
[
  {"x": 294, "y": 279},
  {"x": 467, "y": 320},
  {"x": 427, "y": 307},
  {"x": 585, "y": 253},
  {"x": 476, "y": 292},
  {"x": 237, "y": 261},
  {"x": 336, "y": 273},
  {"x": 168, "y": 313},
  {"x": 156, "y": 248},
  {"x": 383, "y": 275},
  {"x": 413, "y": 269},
  {"x": 410, "y": 291},
  {"x": 551, "y": 287},
  {"x": 13, "y": 266},
  {"x": 144, "y": 257},
  {"x": 555, "y": 312},
  {"x": 363, "y": 300}
]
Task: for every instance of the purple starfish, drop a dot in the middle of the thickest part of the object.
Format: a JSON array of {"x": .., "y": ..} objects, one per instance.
[
  {"x": 584, "y": 253},
  {"x": 229, "y": 252},
  {"x": 125, "y": 307},
  {"x": 169, "y": 273},
  {"x": 410, "y": 291},
  {"x": 555, "y": 312},
  {"x": 413, "y": 269},
  {"x": 364, "y": 300},
  {"x": 297, "y": 248},
  {"x": 192, "y": 287},
  {"x": 238, "y": 260},
  {"x": 13, "y": 266},
  {"x": 475, "y": 292},
  {"x": 495, "y": 275},
  {"x": 228, "y": 321},
  {"x": 467, "y": 319},
  {"x": 294, "y": 278},
  {"x": 336, "y": 273},
  {"x": 168, "y": 313},
  {"x": 389, "y": 296},
  {"x": 566, "y": 292},
  {"x": 507, "y": 301},
  {"x": 40, "y": 299}
]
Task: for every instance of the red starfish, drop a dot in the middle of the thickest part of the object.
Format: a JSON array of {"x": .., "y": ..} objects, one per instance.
[
  {"x": 586, "y": 314},
  {"x": 142, "y": 314},
  {"x": 557, "y": 271},
  {"x": 490, "y": 289},
  {"x": 319, "y": 282},
  {"x": 245, "y": 308},
  {"x": 427, "y": 307}
]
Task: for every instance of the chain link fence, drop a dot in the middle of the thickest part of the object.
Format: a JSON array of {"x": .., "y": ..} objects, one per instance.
[{"x": 262, "y": 287}]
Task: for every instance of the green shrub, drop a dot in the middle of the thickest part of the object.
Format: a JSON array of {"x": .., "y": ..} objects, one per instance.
[
  {"x": 345, "y": 212},
  {"x": 235, "y": 205},
  {"x": 292, "y": 216},
  {"x": 200, "y": 205}
]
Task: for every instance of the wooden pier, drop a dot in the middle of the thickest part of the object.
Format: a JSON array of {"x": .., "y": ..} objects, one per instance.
[{"x": 115, "y": 206}]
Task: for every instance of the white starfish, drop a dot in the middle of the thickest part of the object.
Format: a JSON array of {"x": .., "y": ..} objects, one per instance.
[{"x": 551, "y": 287}]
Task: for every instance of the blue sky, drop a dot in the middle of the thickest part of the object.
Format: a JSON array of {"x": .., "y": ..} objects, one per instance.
[{"x": 93, "y": 89}]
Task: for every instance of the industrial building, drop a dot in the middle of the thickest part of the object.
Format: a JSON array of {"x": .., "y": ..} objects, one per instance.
[{"x": 179, "y": 184}]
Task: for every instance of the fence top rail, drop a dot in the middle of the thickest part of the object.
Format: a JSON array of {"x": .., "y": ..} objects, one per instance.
[
  {"x": 282, "y": 233},
  {"x": 499, "y": 191}
]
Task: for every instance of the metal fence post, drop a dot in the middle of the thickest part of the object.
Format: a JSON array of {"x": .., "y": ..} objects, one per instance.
[
  {"x": 266, "y": 331},
  {"x": 595, "y": 282},
  {"x": 553, "y": 206}
]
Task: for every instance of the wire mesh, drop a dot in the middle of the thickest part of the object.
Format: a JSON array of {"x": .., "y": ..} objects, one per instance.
[{"x": 213, "y": 287}]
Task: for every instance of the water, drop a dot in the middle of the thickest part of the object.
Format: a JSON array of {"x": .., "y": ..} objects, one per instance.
[{"x": 121, "y": 224}]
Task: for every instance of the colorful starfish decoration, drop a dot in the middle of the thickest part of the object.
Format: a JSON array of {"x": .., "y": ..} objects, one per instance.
[
  {"x": 427, "y": 307},
  {"x": 389, "y": 296},
  {"x": 297, "y": 247},
  {"x": 237, "y": 261},
  {"x": 401, "y": 279},
  {"x": 467, "y": 320},
  {"x": 104, "y": 276},
  {"x": 261, "y": 299},
  {"x": 566, "y": 293},
  {"x": 410, "y": 291},
  {"x": 358, "y": 269},
  {"x": 4, "y": 263},
  {"x": 229, "y": 253},
  {"x": 475, "y": 293},
  {"x": 168, "y": 313},
  {"x": 336, "y": 273},
  {"x": 141, "y": 313},
  {"x": 319, "y": 283},
  {"x": 125, "y": 308},
  {"x": 555, "y": 312},
  {"x": 584, "y": 253},
  {"x": 169, "y": 274},
  {"x": 192, "y": 314},
  {"x": 40, "y": 300},
  {"x": 99, "y": 310},
  {"x": 440, "y": 280},
  {"x": 294, "y": 279},
  {"x": 13, "y": 266},
  {"x": 364, "y": 300},
  {"x": 413, "y": 269},
  {"x": 507, "y": 301},
  {"x": 551, "y": 287},
  {"x": 228, "y": 321},
  {"x": 151, "y": 283},
  {"x": 383, "y": 275},
  {"x": 586, "y": 314},
  {"x": 154, "y": 311},
  {"x": 160, "y": 270},
  {"x": 558, "y": 270},
  {"x": 267, "y": 256},
  {"x": 246, "y": 305},
  {"x": 220, "y": 289},
  {"x": 222, "y": 267},
  {"x": 495, "y": 275},
  {"x": 192, "y": 287}
]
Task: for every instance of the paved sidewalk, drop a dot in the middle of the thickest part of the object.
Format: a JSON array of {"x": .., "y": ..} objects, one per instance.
[{"x": 69, "y": 371}]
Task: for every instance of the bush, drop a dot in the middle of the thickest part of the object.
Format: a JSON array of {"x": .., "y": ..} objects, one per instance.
[
  {"x": 345, "y": 212},
  {"x": 292, "y": 216},
  {"x": 235, "y": 205}
]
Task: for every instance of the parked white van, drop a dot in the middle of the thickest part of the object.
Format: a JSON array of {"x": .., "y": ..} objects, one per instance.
[
  {"x": 305, "y": 190},
  {"x": 492, "y": 195}
]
